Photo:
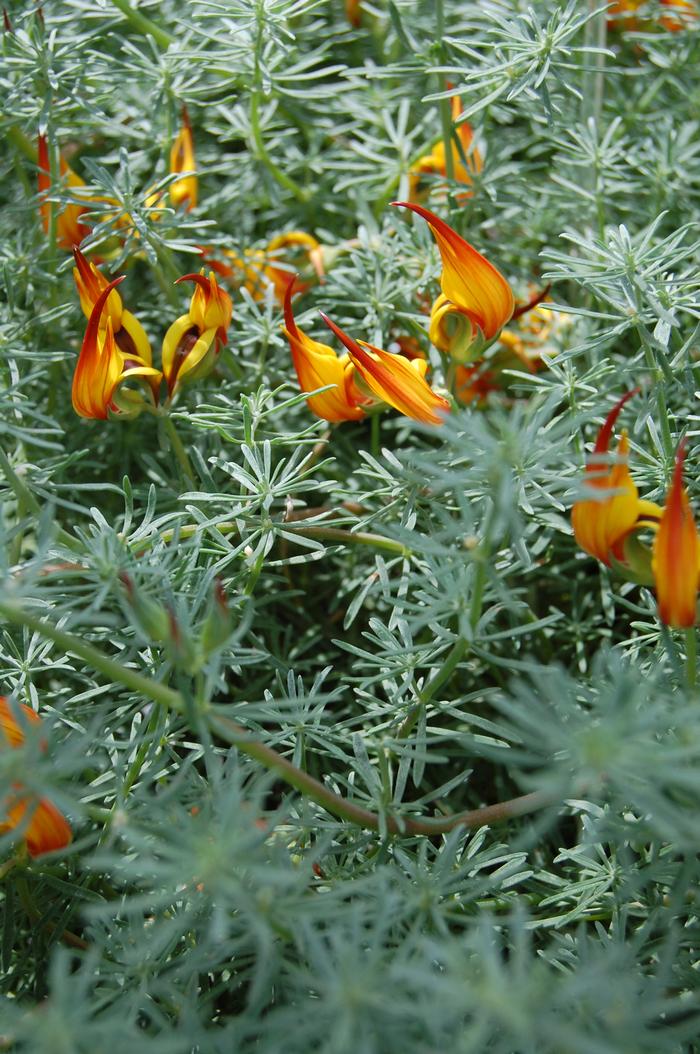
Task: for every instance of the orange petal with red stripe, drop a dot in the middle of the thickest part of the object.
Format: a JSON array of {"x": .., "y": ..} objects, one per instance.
[{"x": 468, "y": 279}]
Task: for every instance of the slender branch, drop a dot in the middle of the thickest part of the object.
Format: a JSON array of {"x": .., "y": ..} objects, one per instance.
[
  {"x": 261, "y": 153},
  {"x": 144, "y": 25},
  {"x": 237, "y": 736},
  {"x": 179, "y": 451},
  {"x": 19, "y": 140}
]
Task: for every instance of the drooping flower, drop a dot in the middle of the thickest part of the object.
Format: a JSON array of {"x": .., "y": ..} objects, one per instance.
[
  {"x": 317, "y": 365},
  {"x": 676, "y": 554},
  {"x": 603, "y": 520},
  {"x": 183, "y": 191},
  {"x": 44, "y": 828},
  {"x": 394, "y": 379},
  {"x": 468, "y": 280},
  {"x": 69, "y": 230},
  {"x": 434, "y": 163},
  {"x": 103, "y": 366},
  {"x": 194, "y": 341}
]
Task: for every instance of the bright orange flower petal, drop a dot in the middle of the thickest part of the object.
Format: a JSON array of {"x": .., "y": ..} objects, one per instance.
[
  {"x": 600, "y": 525},
  {"x": 99, "y": 365},
  {"x": 473, "y": 284},
  {"x": 47, "y": 828},
  {"x": 69, "y": 230},
  {"x": 317, "y": 365},
  {"x": 394, "y": 379},
  {"x": 676, "y": 554},
  {"x": 90, "y": 283}
]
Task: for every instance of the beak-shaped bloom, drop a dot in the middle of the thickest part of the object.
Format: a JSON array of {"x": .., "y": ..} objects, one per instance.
[
  {"x": 193, "y": 342},
  {"x": 129, "y": 334},
  {"x": 318, "y": 365},
  {"x": 69, "y": 230},
  {"x": 44, "y": 827},
  {"x": 394, "y": 379},
  {"x": 183, "y": 191},
  {"x": 600, "y": 523},
  {"x": 468, "y": 280},
  {"x": 677, "y": 554},
  {"x": 103, "y": 366}
]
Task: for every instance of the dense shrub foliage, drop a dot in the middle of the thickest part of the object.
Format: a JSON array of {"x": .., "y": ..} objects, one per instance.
[{"x": 360, "y": 751}]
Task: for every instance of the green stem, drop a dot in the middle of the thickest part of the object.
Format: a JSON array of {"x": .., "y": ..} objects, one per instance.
[
  {"x": 179, "y": 451},
  {"x": 22, "y": 143},
  {"x": 691, "y": 656},
  {"x": 262, "y": 155},
  {"x": 657, "y": 376},
  {"x": 237, "y": 736},
  {"x": 144, "y": 25},
  {"x": 114, "y": 671},
  {"x": 444, "y": 673},
  {"x": 375, "y": 435},
  {"x": 445, "y": 104}
]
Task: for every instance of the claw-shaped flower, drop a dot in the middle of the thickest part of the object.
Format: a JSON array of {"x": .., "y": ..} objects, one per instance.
[
  {"x": 468, "y": 280},
  {"x": 44, "y": 827},
  {"x": 676, "y": 556},
  {"x": 183, "y": 191},
  {"x": 317, "y": 365},
  {"x": 129, "y": 334},
  {"x": 394, "y": 380},
  {"x": 193, "y": 342},
  {"x": 602, "y": 521},
  {"x": 103, "y": 366},
  {"x": 69, "y": 230}
]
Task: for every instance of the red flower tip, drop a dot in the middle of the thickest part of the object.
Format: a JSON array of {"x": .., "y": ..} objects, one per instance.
[{"x": 603, "y": 440}]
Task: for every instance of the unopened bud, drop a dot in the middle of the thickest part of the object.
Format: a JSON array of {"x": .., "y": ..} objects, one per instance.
[
  {"x": 150, "y": 617},
  {"x": 218, "y": 624}
]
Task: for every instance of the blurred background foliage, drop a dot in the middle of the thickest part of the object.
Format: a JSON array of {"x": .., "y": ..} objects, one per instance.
[{"x": 203, "y": 905}]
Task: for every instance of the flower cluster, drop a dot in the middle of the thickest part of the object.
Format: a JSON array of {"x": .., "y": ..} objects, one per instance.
[
  {"x": 42, "y": 826},
  {"x": 116, "y": 349},
  {"x": 608, "y": 520}
]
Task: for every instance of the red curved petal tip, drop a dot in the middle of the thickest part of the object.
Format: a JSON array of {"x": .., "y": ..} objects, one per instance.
[
  {"x": 603, "y": 440},
  {"x": 201, "y": 281},
  {"x": 289, "y": 320}
]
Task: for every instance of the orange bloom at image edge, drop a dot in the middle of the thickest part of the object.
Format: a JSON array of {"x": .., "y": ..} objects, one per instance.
[
  {"x": 676, "y": 555},
  {"x": 46, "y": 828}
]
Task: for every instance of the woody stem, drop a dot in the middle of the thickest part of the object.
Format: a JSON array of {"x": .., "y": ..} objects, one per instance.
[{"x": 239, "y": 737}]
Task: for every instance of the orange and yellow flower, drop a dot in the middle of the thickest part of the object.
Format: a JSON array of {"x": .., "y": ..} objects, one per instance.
[
  {"x": 193, "y": 342},
  {"x": 103, "y": 365},
  {"x": 676, "y": 554},
  {"x": 394, "y": 379},
  {"x": 603, "y": 520},
  {"x": 43, "y": 827},
  {"x": 69, "y": 230},
  {"x": 472, "y": 284},
  {"x": 317, "y": 365},
  {"x": 278, "y": 265},
  {"x": 129, "y": 334},
  {"x": 621, "y": 15},
  {"x": 183, "y": 191},
  {"x": 434, "y": 163},
  {"x": 606, "y": 523}
]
